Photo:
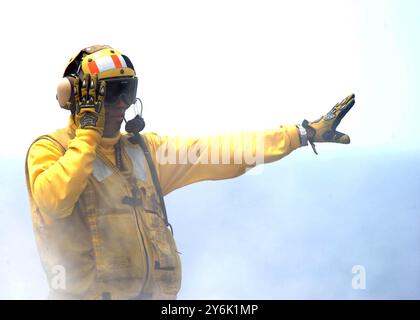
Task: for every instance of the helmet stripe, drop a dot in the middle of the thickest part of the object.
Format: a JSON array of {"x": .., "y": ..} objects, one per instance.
[
  {"x": 105, "y": 63},
  {"x": 117, "y": 61},
  {"x": 93, "y": 68},
  {"x": 123, "y": 63}
]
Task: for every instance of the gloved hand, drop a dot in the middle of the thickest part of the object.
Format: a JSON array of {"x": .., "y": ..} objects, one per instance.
[
  {"x": 89, "y": 99},
  {"x": 324, "y": 129}
]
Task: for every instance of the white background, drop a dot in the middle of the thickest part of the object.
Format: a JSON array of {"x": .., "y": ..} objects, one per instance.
[{"x": 215, "y": 66}]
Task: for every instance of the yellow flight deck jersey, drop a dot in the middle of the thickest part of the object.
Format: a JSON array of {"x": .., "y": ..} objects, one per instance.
[{"x": 94, "y": 245}]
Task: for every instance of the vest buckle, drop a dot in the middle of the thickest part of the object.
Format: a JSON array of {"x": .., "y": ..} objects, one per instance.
[{"x": 132, "y": 201}]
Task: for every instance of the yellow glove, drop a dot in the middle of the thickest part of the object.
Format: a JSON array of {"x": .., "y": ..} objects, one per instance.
[
  {"x": 89, "y": 99},
  {"x": 324, "y": 129}
]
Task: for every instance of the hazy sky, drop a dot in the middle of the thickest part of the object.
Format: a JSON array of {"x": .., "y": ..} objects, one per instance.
[
  {"x": 213, "y": 66},
  {"x": 296, "y": 229}
]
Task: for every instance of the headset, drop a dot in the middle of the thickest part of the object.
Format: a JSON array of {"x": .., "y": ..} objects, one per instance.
[{"x": 66, "y": 90}]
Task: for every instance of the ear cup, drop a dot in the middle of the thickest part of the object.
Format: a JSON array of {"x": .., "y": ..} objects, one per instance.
[
  {"x": 65, "y": 92},
  {"x": 136, "y": 124}
]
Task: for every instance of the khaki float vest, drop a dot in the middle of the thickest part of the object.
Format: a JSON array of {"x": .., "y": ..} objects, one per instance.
[{"x": 107, "y": 248}]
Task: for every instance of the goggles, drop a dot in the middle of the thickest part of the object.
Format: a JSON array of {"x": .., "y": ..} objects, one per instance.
[{"x": 123, "y": 88}]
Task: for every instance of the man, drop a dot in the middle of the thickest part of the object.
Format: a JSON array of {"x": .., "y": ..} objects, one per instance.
[{"x": 97, "y": 195}]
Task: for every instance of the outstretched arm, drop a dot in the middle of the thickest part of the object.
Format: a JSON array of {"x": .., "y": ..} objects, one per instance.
[{"x": 182, "y": 161}]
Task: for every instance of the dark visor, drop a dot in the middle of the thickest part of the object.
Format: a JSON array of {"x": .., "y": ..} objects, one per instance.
[{"x": 121, "y": 88}]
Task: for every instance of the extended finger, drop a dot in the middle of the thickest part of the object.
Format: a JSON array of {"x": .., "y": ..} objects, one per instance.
[
  {"x": 344, "y": 109},
  {"x": 101, "y": 90},
  {"x": 91, "y": 90},
  {"x": 84, "y": 90},
  {"x": 340, "y": 137},
  {"x": 101, "y": 95},
  {"x": 347, "y": 99}
]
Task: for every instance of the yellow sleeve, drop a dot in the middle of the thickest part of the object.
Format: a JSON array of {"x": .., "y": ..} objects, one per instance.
[
  {"x": 181, "y": 161},
  {"x": 57, "y": 179}
]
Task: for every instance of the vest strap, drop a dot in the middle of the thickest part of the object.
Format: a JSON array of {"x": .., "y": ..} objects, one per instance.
[{"x": 138, "y": 139}]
